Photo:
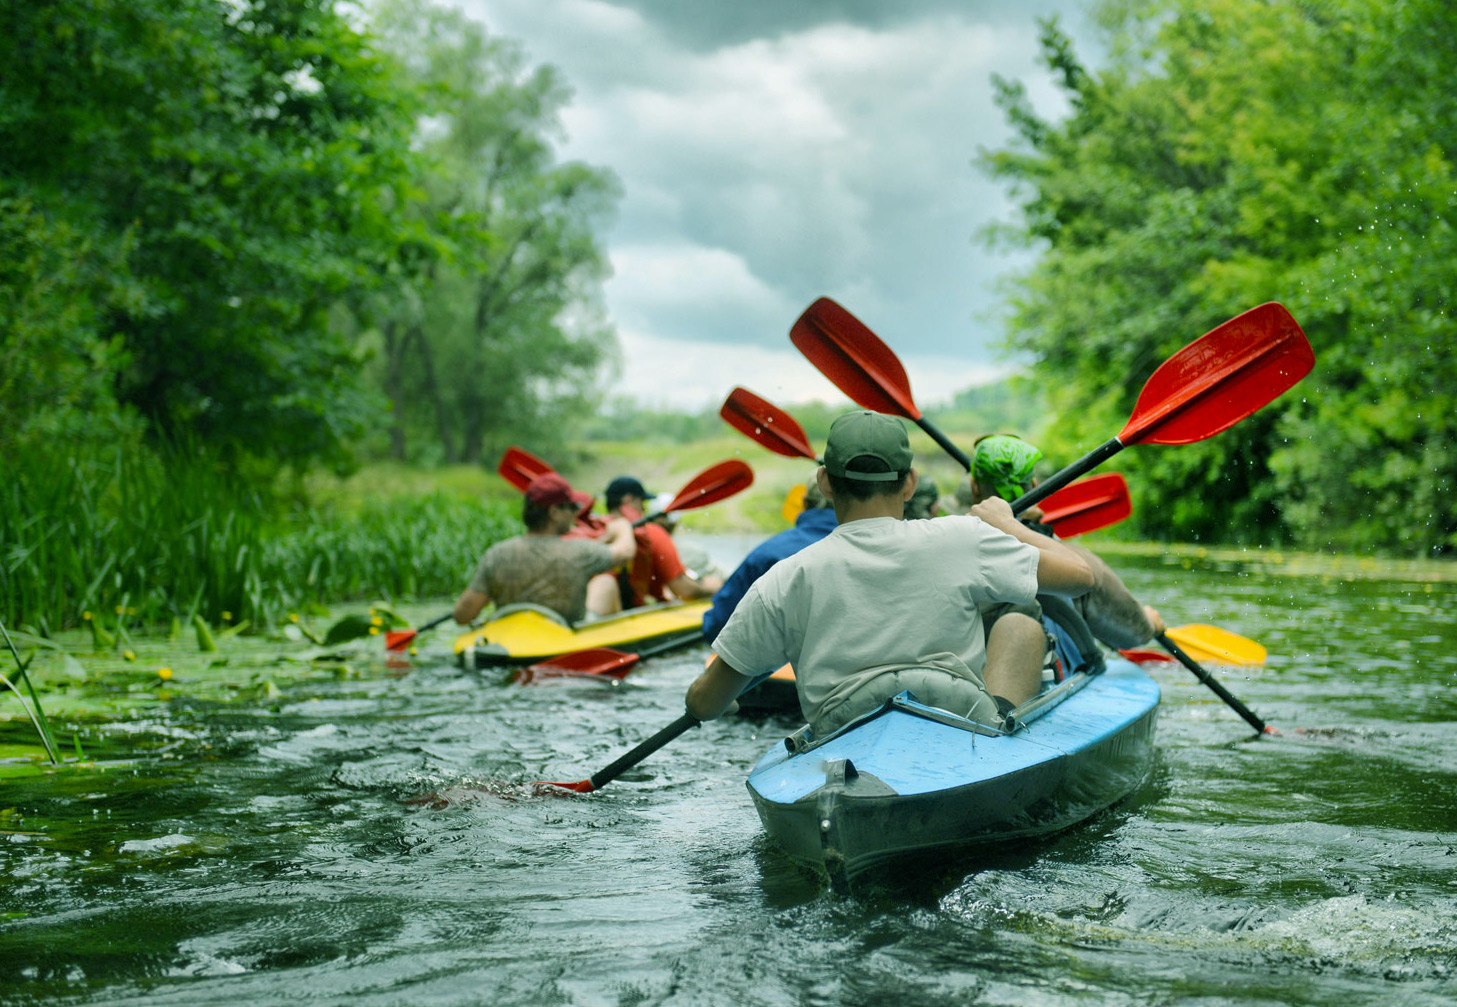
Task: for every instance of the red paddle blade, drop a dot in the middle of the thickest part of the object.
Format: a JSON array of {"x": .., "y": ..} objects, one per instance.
[
  {"x": 581, "y": 786},
  {"x": 518, "y": 467},
  {"x": 766, "y": 423},
  {"x": 717, "y": 482},
  {"x": 603, "y": 661},
  {"x": 1087, "y": 505},
  {"x": 854, "y": 358},
  {"x": 1220, "y": 378},
  {"x": 1144, "y": 655},
  {"x": 399, "y": 639}
]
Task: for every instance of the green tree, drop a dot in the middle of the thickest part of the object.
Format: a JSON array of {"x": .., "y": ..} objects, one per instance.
[
  {"x": 222, "y": 172},
  {"x": 499, "y": 333},
  {"x": 56, "y": 365},
  {"x": 1238, "y": 151}
]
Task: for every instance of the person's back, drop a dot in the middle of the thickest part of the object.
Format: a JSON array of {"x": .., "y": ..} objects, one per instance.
[
  {"x": 884, "y": 596},
  {"x": 551, "y": 572},
  {"x": 881, "y": 606},
  {"x": 541, "y": 567}
]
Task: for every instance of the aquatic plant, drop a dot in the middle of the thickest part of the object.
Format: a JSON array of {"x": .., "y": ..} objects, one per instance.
[
  {"x": 158, "y": 536},
  {"x": 33, "y": 708}
]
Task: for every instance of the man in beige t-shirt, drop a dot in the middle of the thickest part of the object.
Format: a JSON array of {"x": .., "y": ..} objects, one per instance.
[
  {"x": 540, "y": 566},
  {"x": 882, "y": 605}
]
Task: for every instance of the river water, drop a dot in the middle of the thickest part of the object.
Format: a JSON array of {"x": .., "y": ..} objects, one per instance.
[{"x": 270, "y": 853}]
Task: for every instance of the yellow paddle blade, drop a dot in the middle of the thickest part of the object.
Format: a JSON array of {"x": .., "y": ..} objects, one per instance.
[
  {"x": 794, "y": 503},
  {"x": 1216, "y": 646}
]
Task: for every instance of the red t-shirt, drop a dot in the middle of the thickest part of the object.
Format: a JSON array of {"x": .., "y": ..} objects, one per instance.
[{"x": 655, "y": 564}]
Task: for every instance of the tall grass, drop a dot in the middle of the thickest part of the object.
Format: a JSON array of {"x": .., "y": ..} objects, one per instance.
[{"x": 148, "y": 537}]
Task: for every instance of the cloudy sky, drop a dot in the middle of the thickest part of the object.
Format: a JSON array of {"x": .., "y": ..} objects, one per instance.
[{"x": 774, "y": 151}]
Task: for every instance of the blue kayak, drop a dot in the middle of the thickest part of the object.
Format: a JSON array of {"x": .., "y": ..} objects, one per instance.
[{"x": 909, "y": 778}]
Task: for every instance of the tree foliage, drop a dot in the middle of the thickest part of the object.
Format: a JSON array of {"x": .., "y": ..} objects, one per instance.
[
  {"x": 1239, "y": 151},
  {"x": 191, "y": 184},
  {"x": 499, "y": 334}
]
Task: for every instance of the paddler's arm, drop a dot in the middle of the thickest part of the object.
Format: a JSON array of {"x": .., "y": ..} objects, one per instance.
[
  {"x": 469, "y": 605},
  {"x": 1113, "y": 614},
  {"x": 620, "y": 539},
  {"x": 686, "y": 588},
  {"x": 713, "y": 693},
  {"x": 1060, "y": 569}
]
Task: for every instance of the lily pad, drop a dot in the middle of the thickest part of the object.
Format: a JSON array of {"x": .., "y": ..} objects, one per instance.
[{"x": 351, "y": 627}]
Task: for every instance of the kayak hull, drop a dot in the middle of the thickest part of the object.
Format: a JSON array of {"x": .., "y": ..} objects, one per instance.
[
  {"x": 529, "y": 634},
  {"x": 908, "y": 778}
]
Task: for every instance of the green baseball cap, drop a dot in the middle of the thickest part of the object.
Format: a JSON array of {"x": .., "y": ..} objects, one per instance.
[
  {"x": 1005, "y": 462},
  {"x": 864, "y": 434}
]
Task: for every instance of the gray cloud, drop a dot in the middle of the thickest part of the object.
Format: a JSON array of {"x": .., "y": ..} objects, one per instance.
[{"x": 772, "y": 152}]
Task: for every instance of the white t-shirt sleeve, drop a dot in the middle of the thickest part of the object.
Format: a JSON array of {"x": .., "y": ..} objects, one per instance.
[
  {"x": 1007, "y": 566},
  {"x": 753, "y": 641}
]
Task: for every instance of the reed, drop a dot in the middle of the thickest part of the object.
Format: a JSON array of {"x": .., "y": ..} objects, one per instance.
[{"x": 140, "y": 537}]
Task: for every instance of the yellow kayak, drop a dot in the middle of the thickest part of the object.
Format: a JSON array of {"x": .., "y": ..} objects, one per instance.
[{"x": 531, "y": 633}]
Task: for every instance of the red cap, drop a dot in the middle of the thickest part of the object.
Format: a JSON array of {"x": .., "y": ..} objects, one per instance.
[{"x": 551, "y": 489}]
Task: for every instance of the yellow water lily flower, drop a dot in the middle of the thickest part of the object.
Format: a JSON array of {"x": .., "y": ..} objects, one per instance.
[{"x": 164, "y": 673}]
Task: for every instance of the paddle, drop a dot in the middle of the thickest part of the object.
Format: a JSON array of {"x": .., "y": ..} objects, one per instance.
[
  {"x": 1206, "y": 643},
  {"x": 399, "y": 639},
  {"x": 595, "y": 661},
  {"x": 1081, "y": 507},
  {"x": 764, "y": 422},
  {"x": 861, "y": 366},
  {"x": 518, "y": 467},
  {"x": 613, "y": 770},
  {"x": 1209, "y": 680},
  {"x": 1087, "y": 505},
  {"x": 793, "y": 504},
  {"x": 715, "y": 483},
  {"x": 1210, "y": 643},
  {"x": 1203, "y": 389}
]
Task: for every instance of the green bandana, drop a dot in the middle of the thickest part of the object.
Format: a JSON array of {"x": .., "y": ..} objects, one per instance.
[{"x": 1005, "y": 463}]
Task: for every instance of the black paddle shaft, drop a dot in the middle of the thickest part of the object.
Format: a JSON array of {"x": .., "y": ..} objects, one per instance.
[
  {"x": 1086, "y": 463},
  {"x": 1209, "y": 680},
  {"x": 946, "y": 445},
  {"x": 609, "y": 773}
]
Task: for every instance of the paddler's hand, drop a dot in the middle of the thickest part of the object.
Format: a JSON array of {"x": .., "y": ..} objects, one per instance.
[
  {"x": 998, "y": 513},
  {"x": 1155, "y": 620}
]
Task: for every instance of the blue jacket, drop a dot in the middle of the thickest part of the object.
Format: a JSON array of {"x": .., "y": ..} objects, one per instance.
[{"x": 809, "y": 528}]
